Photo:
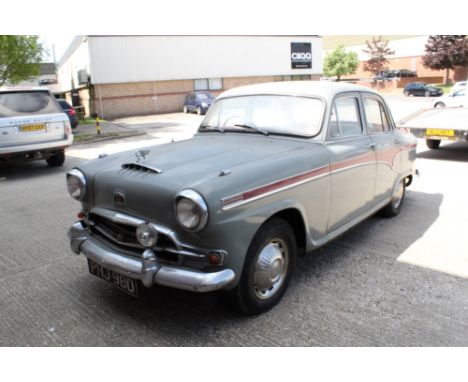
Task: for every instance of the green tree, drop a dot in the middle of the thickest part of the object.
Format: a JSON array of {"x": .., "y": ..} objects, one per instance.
[
  {"x": 340, "y": 63},
  {"x": 446, "y": 52},
  {"x": 378, "y": 50},
  {"x": 19, "y": 58}
]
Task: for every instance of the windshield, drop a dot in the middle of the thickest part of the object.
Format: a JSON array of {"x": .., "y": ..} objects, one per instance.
[
  {"x": 204, "y": 96},
  {"x": 274, "y": 114},
  {"x": 25, "y": 103}
]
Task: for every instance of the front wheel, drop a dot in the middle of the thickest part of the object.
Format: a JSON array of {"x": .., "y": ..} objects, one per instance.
[
  {"x": 393, "y": 208},
  {"x": 406, "y": 93},
  {"x": 185, "y": 110},
  {"x": 439, "y": 105},
  {"x": 56, "y": 160},
  {"x": 427, "y": 94},
  {"x": 268, "y": 266},
  {"x": 433, "y": 143},
  {"x": 199, "y": 110}
]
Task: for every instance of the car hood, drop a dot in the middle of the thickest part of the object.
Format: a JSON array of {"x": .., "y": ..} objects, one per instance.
[{"x": 214, "y": 164}]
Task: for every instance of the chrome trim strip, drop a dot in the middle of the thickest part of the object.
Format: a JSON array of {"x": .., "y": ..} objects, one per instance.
[
  {"x": 351, "y": 167},
  {"x": 242, "y": 202}
]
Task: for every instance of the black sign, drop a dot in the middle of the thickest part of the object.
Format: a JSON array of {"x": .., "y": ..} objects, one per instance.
[{"x": 301, "y": 55}]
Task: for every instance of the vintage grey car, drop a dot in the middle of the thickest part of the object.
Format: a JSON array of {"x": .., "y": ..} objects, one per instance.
[{"x": 274, "y": 171}]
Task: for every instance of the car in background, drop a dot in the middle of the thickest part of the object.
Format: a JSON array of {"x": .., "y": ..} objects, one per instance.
[
  {"x": 458, "y": 86},
  {"x": 396, "y": 73},
  {"x": 422, "y": 89},
  {"x": 275, "y": 170},
  {"x": 198, "y": 102},
  {"x": 456, "y": 99},
  {"x": 68, "y": 109},
  {"x": 33, "y": 126}
]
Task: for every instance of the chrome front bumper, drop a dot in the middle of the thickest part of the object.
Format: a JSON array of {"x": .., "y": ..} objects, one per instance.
[{"x": 147, "y": 269}]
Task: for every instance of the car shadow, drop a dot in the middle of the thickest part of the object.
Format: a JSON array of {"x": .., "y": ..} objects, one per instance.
[
  {"x": 28, "y": 170},
  {"x": 201, "y": 318},
  {"x": 457, "y": 151}
]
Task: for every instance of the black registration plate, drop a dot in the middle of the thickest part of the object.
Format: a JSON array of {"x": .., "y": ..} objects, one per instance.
[{"x": 120, "y": 281}]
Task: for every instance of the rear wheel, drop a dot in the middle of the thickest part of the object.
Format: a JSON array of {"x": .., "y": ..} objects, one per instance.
[
  {"x": 439, "y": 105},
  {"x": 268, "y": 266},
  {"x": 427, "y": 93},
  {"x": 199, "y": 110},
  {"x": 185, "y": 109},
  {"x": 393, "y": 208},
  {"x": 57, "y": 159},
  {"x": 433, "y": 143},
  {"x": 406, "y": 93}
]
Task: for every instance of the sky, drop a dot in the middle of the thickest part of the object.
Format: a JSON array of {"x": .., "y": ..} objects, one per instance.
[{"x": 59, "y": 41}]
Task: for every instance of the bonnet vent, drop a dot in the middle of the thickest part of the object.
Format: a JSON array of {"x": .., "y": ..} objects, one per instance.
[{"x": 141, "y": 167}]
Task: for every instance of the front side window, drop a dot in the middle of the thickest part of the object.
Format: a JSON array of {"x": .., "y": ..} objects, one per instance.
[
  {"x": 275, "y": 114},
  {"x": 344, "y": 119},
  {"x": 376, "y": 117}
]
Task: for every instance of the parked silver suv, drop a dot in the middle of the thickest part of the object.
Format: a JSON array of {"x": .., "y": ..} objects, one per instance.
[{"x": 32, "y": 126}]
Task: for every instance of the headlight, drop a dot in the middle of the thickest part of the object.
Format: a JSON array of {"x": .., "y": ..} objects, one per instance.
[
  {"x": 76, "y": 184},
  {"x": 191, "y": 210},
  {"x": 204, "y": 104}
]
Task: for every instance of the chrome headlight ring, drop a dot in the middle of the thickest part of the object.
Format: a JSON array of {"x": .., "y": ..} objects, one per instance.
[
  {"x": 191, "y": 211},
  {"x": 76, "y": 184}
]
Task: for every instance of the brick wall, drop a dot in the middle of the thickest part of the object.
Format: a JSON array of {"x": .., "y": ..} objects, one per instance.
[
  {"x": 415, "y": 63},
  {"x": 128, "y": 99}
]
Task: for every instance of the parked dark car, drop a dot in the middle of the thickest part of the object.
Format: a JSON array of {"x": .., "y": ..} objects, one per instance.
[
  {"x": 396, "y": 73},
  {"x": 198, "y": 102},
  {"x": 68, "y": 109},
  {"x": 422, "y": 89}
]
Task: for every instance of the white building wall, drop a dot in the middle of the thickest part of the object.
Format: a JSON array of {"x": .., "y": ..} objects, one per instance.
[
  {"x": 121, "y": 59},
  {"x": 76, "y": 59}
]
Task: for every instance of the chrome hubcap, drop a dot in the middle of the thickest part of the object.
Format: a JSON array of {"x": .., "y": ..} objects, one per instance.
[
  {"x": 270, "y": 269},
  {"x": 398, "y": 195}
]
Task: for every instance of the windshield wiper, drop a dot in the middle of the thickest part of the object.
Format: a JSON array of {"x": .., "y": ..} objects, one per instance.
[
  {"x": 253, "y": 128},
  {"x": 208, "y": 127}
]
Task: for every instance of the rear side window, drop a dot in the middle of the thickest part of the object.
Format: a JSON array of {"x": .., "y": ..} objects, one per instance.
[
  {"x": 344, "y": 118},
  {"x": 64, "y": 104},
  {"x": 25, "y": 103},
  {"x": 376, "y": 117}
]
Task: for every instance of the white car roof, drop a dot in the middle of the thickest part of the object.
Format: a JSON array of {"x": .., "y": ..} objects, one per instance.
[{"x": 324, "y": 89}]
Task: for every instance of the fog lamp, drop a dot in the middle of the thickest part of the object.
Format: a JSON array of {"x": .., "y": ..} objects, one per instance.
[{"x": 147, "y": 235}]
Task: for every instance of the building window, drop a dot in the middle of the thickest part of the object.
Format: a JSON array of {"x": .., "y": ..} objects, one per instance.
[
  {"x": 208, "y": 84},
  {"x": 300, "y": 77}
]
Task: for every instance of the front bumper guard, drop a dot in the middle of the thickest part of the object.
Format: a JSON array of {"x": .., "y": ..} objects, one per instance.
[{"x": 147, "y": 269}]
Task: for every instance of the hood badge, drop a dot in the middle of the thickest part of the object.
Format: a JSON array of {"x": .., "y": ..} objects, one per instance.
[
  {"x": 119, "y": 197},
  {"x": 141, "y": 155}
]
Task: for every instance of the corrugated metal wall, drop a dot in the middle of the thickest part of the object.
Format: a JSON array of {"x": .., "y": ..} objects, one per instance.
[{"x": 120, "y": 59}]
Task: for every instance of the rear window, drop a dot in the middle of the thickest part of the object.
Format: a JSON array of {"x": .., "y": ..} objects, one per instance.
[{"x": 13, "y": 104}]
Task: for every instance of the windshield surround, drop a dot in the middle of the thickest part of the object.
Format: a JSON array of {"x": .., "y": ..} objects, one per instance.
[{"x": 314, "y": 126}]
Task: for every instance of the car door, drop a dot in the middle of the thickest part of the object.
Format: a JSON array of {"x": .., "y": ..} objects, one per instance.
[
  {"x": 352, "y": 162},
  {"x": 387, "y": 145}
]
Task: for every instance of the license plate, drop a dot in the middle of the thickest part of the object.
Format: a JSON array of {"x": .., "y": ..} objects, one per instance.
[
  {"x": 120, "y": 281},
  {"x": 440, "y": 132},
  {"x": 30, "y": 128}
]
